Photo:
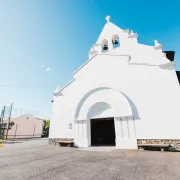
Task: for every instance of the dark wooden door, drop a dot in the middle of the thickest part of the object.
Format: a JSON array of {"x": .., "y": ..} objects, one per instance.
[{"x": 102, "y": 132}]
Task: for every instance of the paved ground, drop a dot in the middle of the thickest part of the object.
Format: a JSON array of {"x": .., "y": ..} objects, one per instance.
[{"x": 36, "y": 160}]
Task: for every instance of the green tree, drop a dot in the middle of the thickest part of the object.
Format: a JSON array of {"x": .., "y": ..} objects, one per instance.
[
  {"x": 46, "y": 128},
  {"x": 11, "y": 124}
]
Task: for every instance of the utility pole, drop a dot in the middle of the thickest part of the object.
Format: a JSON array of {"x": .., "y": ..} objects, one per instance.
[
  {"x": 9, "y": 120},
  {"x": 34, "y": 130},
  {"x": 15, "y": 131}
]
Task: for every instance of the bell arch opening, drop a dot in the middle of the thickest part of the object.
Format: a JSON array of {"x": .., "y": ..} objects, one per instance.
[
  {"x": 104, "y": 45},
  {"x": 115, "y": 41}
]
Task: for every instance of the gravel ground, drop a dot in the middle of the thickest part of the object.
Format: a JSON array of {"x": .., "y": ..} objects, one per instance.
[{"x": 36, "y": 160}]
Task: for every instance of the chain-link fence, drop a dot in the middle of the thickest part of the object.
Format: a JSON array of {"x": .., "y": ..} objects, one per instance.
[{"x": 4, "y": 121}]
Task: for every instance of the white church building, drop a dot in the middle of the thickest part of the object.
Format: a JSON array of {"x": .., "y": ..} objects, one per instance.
[{"x": 125, "y": 94}]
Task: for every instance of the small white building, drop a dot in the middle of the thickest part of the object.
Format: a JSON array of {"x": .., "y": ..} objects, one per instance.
[{"x": 125, "y": 94}]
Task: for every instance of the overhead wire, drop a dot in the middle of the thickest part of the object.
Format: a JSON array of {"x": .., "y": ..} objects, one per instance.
[{"x": 24, "y": 86}]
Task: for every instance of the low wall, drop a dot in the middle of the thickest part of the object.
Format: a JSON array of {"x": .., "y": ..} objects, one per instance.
[
  {"x": 23, "y": 136},
  {"x": 159, "y": 141},
  {"x": 53, "y": 141},
  {"x": 139, "y": 141}
]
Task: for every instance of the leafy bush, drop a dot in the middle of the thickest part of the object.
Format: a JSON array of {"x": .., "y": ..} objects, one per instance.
[
  {"x": 11, "y": 124},
  {"x": 46, "y": 128}
]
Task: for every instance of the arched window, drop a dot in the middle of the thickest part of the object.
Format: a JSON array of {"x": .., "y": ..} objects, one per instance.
[
  {"x": 104, "y": 45},
  {"x": 115, "y": 41}
]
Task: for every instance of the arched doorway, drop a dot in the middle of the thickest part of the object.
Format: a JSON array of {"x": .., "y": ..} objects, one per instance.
[
  {"x": 102, "y": 126},
  {"x": 99, "y": 110}
]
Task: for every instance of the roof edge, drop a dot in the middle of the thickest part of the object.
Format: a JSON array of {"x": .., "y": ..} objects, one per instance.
[{"x": 109, "y": 54}]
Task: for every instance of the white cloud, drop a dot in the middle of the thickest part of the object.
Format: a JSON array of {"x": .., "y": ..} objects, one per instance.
[{"x": 48, "y": 69}]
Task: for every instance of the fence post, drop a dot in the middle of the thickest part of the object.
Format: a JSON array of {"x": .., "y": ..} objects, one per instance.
[
  {"x": 9, "y": 121},
  {"x": 1, "y": 123}
]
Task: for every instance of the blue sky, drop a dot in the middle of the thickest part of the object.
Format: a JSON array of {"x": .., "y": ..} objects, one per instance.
[{"x": 42, "y": 42}]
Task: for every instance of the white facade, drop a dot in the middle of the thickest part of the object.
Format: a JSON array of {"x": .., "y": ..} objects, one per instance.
[{"x": 134, "y": 83}]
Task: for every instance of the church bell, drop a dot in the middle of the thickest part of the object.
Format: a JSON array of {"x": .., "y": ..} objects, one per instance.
[
  {"x": 105, "y": 47},
  {"x": 116, "y": 42}
]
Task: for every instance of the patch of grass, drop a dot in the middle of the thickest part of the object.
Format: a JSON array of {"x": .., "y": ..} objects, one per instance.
[{"x": 1, "y": 141}]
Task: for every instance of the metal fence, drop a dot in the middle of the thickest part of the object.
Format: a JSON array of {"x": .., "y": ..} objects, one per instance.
[{"x": 4, "y": 121}]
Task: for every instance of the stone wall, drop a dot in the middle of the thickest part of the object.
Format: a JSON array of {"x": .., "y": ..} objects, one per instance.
[
  {"x": 55, "y": 141},
  {"x": 159, "y": 141}
]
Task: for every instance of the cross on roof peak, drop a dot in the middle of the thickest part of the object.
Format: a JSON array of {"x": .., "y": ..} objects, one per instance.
[{"x": 107, "y": 18}]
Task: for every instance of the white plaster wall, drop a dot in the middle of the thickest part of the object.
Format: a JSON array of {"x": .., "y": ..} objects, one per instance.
[
  {"x": 99, "y": 110},
  {"x": 62, "y": 117},
  {"x": 154, "y": 93},
  {"x": 125, "y": 133},
  {"x": 115, "y": 99}
]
